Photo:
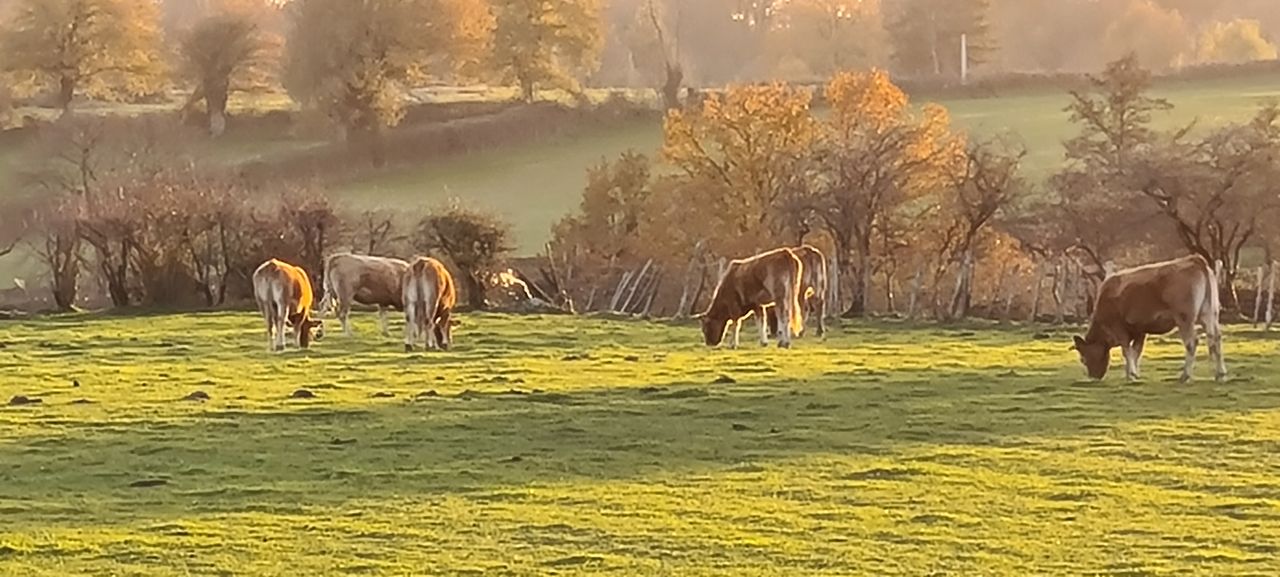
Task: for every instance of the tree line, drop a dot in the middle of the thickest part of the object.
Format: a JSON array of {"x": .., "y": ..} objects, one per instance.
[
  {"x": 920, "y": 219},
  {"x": 355, "y": 61}
]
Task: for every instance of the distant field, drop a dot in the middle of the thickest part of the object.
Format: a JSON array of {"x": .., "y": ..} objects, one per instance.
[
  {"x": 575, "y": 446},
  {"x": 534, "y": 184}
]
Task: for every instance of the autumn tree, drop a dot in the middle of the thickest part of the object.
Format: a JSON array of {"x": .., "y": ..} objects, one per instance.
[
  {"x": 749, "y": 150},
  {"x": 877, "y": 157},
  {"x": 830, "y": 36},
  {"x": 1235, "y": 42},
  {"x": 1217, "y": 192},
  {"x": 1160, "y": 38},
  {"x": 356, "y": 61},
  {"x": 608, "y": 223},
  {"x": 550, "y": 43},
  {"x": 222, "y": 53},
  {"x": 1114, "y": 117},
  {"x": 475, "y": 242},
  {"x": 982, "y": 189},
  {"x": 925, "y": 35},
  {"x": 98, "y": 47}
]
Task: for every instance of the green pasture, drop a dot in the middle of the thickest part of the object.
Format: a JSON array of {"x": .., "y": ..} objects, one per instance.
[{"x": 581, "y": 446}]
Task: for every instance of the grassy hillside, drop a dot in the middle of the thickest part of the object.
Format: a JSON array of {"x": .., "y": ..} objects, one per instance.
[{"x": 588, "y": 447}]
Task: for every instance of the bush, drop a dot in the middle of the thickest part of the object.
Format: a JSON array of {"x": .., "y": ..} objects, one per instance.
[{"x": 475, "y": 242}]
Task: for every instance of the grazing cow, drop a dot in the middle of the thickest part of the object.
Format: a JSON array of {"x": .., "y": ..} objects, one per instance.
[
  {"x": 1152, "y": 300},
  {"x": 813, "y": 289},
  {"x": 750, "y": 286},
  {"x": 429, "y": 296},
  {"x": 367, "y": 280},
  {"x": 283, "y": 292}
]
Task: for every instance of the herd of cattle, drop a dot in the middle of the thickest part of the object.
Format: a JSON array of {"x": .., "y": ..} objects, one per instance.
[{"x": 779, "y": 287}]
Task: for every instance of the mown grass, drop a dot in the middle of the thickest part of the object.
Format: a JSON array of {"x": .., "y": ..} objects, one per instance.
[{"x": 587, "y": 446}]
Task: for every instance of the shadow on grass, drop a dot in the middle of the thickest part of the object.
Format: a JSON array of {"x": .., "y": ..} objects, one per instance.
[{"x": 487, "y": 442}]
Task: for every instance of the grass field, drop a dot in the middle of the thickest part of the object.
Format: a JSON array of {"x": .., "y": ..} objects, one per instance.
[{"x": 583, "y": 446}]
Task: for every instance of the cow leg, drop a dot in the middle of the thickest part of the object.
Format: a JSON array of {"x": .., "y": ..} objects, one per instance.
[
  {"x": 784, "y": 323},
  {"x": 1190, "y": 340},
  {"x": 444, "y": 325},
  {"x": 1139, "y": 343},
  {"x": 344, "y": 316},
  {"x": 410, "y": 324},
  {"x": 429, "y": 328},
  {"x": 763, "y": 316},
  {"x": 1213, "y": 331},
  {"x": 820, "y": 309},
  {"x": 1130, "y": 370},
  {"x": 382, "y": 321},
  {"x": 280, "y": 329},
  {"x": 735, "y": 327}
]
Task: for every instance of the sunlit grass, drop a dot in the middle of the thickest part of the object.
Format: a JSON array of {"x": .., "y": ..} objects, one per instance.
[{"x": 588, "y": 446}]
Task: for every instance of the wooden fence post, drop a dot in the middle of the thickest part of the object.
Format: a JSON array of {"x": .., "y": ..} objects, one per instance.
[
  {"x": 1059, "y": 292},
  {"x": 1036, "y": 291},
  {"x": 833, "y": 287},
  {"x": 1257, "y": 298},
  {"x": 635, "y": 283},
  {"x": 617, "y": 293},
  {"x": 682, "y": 310},
  {"x": 1008, "y": 294},
  {"x": 1271, "y": 292},
  {"x": 914, "y": 300}
]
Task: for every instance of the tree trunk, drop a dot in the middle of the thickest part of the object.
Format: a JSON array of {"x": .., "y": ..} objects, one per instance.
[
  {"x": 1036, "y": 290},
  {"x": 1230, "y": 298},
  {"x": 526, "y": 90},
  {"x": 476, "y": 297},
  {"x": 671, "y": 87},
  {"x": 861, "y": 280},
  {"x": 215, "y": 98},
  {"x": 66, "y": 93},
  {"x": 64, "y": 261},
  {"x": 914, "y": 301}
]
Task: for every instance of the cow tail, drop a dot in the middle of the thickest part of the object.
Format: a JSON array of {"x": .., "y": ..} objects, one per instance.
[
  {"x": 796, "y": 320},
  {"x": 330, "y": 292},
  {"x": 1215, "y": 301}
]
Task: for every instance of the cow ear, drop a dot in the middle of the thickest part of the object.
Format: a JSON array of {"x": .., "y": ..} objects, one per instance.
[{"x": 1079, "y": 343}]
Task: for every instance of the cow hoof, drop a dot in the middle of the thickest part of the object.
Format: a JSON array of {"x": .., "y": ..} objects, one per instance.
[
  {"x": 1184, "y": 379},
  {"x": 1220, "y": 378},
  {"x": 784, "y": 345},
  {"x": 408, "y": 348}
]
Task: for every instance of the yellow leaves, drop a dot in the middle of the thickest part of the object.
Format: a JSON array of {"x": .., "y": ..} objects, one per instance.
[
  {"x": 749, "y": 145},
  {"x": 869, "y": 100}
]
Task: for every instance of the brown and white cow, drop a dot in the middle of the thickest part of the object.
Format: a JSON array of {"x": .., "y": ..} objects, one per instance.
[
  {"x": 429, "y": 295},
  {"x": 813, "y": 289},
  {"x": 283, "y": 292},
  {"x": 751, "y": 285},
  {"x": 1152, "y": 300},
  {"x": 367, "y": 280}
]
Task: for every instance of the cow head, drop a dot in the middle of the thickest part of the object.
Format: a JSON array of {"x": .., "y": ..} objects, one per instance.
[
  {"x": 309, "y": 329},
  {"x": 1094, "y": 356},
  {"x": 713, "y": 330}
]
